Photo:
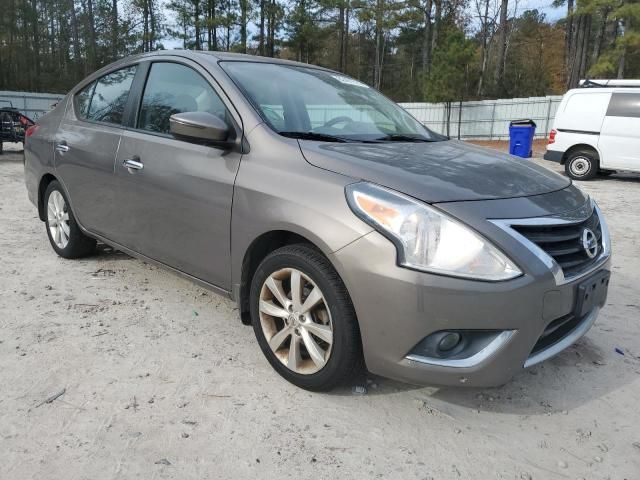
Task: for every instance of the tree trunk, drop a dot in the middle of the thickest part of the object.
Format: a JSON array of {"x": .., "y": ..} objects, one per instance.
[
  {"x": 243, "y": 25},
  {"x": 92, "y": 36},
  {"x": 196, "y": 20},
  {"x": 599, "y": 40},
  {"x": 345, "y": 44},
  {"x": 502, "y": 46},
  {"x": 272, "y": 33},
  {"x": 145, "y": 28},
  {"x": 341, "y": 10},
  {"x": 114, "y": 29},
  {"x": 261, "y": 31},
  {"x": 152, "y": 26},
  {"x": 36, "y": 44},
  {"x": 77, "y": 58},
  {"x": 484, "y": 46},
  {"x": 568, "y": 41},
  {"x": 577, "y": 54},
  {"x": 379, "y": 46},
  {"x": 621, "y": 62},
  {"x": 585, "y": 47},
  {"x": 436, "y": 24},
  {"x": 426, "y": 38}
]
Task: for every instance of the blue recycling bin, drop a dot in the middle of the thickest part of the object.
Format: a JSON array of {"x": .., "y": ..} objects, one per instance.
[{"x": 521, "y": 133}]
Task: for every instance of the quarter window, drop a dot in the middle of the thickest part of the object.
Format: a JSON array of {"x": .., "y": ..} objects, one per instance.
[
  {"x": 173, "y": 88},
  {"x": 83, "y": 98},
  {"x": 624, "y": 105},
  {"x": 110, "y": 96}
]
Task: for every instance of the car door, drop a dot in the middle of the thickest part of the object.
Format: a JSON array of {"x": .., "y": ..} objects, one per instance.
[
  {"x": 175, "y": 204},
  {"x": 619, "y": 141},
  {"x": 85, "y": 147}
]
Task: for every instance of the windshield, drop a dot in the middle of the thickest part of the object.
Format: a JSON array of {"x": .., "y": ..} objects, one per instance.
[{"x": 310, "y": 103}]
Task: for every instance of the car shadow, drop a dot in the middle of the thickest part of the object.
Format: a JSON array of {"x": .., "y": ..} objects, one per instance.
[
  {"x": 105, "y": 252},
  {"x": 578, "y": 375},
  {"x": 614, "y": 177}
]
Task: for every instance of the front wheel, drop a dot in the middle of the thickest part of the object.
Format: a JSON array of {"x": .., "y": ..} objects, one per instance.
[
  {"x": 63, "y": 231},
  {"x": 304, "y": 320},
  {"x": 582, "y": 165}
]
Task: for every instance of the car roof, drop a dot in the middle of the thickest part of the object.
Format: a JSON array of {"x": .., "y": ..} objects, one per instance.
[
  {"x": 200, "y": 56},
  {"x": 594, "y": 90},
  {"x": 220, "y": 56}
]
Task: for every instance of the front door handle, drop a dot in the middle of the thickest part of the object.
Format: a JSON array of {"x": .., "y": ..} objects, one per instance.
[
  {"x": 62, "y": 147},
  {"x": 133, "y": 164}
]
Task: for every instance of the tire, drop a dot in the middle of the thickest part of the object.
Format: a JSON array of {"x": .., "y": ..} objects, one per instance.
[
  {"x": 582, "y": 165},
  {"x": 343, "y": 356},
  {"x": 67, "y": 241}
]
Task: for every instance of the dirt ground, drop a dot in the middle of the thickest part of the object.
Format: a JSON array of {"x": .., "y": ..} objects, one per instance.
[
  {"x": 162, "y": 381},
  {"x": 539, "y": 145}
]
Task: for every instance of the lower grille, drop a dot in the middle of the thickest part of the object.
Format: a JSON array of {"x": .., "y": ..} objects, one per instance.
[
  {"x": 555, "y": 331},
  {"x": 564, "y": 243}
]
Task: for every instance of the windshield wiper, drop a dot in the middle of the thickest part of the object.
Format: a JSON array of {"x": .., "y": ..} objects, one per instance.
[
  {"x": 397, "y": 137},
  {"x": 322, "y": 137}
]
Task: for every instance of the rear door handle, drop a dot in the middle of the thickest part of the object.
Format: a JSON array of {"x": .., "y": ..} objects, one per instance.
[
  {"x": 62, "y": 147},
  {"x": 133, "y": 164}
]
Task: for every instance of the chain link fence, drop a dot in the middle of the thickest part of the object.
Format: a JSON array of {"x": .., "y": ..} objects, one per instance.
[{"x": 485, "y": 119}]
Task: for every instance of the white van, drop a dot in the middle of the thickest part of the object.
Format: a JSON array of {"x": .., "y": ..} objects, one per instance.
[{"x": 597, "y": 129}]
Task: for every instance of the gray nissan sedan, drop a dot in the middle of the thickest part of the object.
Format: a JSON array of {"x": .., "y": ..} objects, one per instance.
[{"x": 350, "y": 235}]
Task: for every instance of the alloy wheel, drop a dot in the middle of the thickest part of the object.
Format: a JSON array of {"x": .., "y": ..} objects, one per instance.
[
  {"x": 58, "y": 219},
  {"x": 296, "y": 321}
]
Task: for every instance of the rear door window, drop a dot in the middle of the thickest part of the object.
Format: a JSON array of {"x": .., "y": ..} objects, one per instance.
[
  {"x": 174, "y": 88},
  {"x": 110, "y": 96},
  {"x": 624, "y": 105}
]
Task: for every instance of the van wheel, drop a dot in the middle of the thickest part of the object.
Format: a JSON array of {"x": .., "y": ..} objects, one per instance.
[
  {"x": 582, "y": 165},
  {"x": 304, "y": 320},
  {"x": 65, "y": 235}
]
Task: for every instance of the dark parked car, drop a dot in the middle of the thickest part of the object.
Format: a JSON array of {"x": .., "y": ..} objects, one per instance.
[
  {"x": 13, "y": 125},
  {"x": 348, "y": 233}
]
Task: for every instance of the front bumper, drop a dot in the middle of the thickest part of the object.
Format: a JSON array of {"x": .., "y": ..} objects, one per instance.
[{"x": 397, "y": 308}]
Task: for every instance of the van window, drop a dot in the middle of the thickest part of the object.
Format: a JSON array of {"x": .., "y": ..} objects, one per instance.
[{"x": 624, "y": 105}]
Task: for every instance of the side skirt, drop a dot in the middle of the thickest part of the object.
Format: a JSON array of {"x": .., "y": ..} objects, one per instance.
[{"x": 139, "y": 256}]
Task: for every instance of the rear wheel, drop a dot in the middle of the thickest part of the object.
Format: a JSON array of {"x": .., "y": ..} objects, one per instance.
[
  {"x": 63, "y": 231},
  {"x": 582, "y": 165},
  {"x": 304, "y": 320}
]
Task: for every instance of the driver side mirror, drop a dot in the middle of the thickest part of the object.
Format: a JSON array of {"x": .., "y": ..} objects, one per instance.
[{"x": 200, "y": 127}]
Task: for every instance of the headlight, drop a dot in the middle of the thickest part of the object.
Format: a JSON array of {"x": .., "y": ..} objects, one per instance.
[{"x": 426, "y": 238}]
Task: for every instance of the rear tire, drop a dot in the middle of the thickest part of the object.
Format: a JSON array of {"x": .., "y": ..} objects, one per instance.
[
  {"x": 582, "y": 165},
  {"x": 63, "y": 231},
  {"x": 328, "y": 350}
]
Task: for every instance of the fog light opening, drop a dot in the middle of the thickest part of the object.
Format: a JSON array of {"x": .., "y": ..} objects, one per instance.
[{"x": 449, "y": 341}]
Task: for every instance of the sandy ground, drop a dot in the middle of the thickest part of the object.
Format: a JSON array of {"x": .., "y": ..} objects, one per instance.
[
  {"x": 161, "y": 380},
  {"x": 539, "y": 145}
]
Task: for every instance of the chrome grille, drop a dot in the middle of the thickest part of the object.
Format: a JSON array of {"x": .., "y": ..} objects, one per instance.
[{"x": 563, "y": 242}]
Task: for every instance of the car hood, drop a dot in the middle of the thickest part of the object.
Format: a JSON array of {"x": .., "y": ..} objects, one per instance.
[{"x": 434, "y": 172}]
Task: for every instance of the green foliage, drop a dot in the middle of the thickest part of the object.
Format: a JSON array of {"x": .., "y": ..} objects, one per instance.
[{"x": 448, "y": 79}]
